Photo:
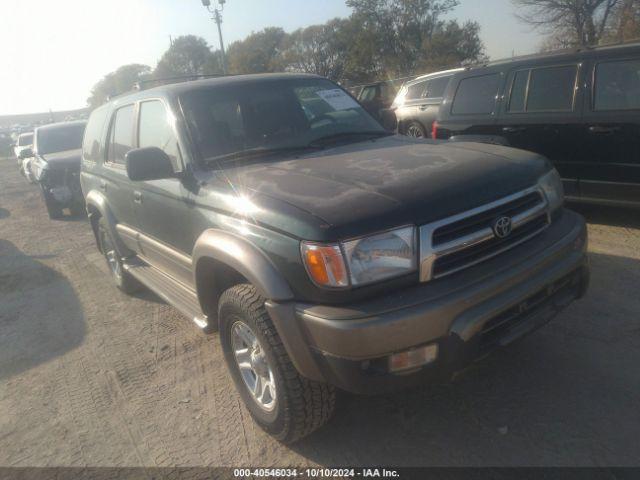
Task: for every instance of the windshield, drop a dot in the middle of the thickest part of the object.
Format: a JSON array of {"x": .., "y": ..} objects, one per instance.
[
  {"x": 272, "y": 115},
  {"x": 59, "y": 139},
  {"x": 25, "y": 139}
]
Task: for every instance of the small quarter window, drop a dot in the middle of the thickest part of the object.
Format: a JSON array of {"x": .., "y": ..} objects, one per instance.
[
  {"x": 519, "y": 91},
  {"x": 91, "y": 146},
  {"x": 617, "y": 85}
]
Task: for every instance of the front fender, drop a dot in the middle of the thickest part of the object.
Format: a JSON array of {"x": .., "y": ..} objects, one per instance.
[{"x": 244, "y": 257}]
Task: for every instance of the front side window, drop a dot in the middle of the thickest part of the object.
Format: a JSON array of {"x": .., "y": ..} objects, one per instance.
[
  {"x": 617, "y": 85},
  {"x": 476, "y": 95},
  {"x": 155, "y": 130},
  {"x": 121, "y": 138},
  {"x": 60, "y": 138},
  {"x": 552, "y": 89},
  {"x": 283, "y": 114}
]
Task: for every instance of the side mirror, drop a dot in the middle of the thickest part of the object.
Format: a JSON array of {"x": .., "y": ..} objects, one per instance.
[
  {"x": 26, "y": 153},
  {"x": 148, "y": 163}
]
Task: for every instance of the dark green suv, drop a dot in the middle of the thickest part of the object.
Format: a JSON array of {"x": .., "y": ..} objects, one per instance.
[{"x": 327, "y": 252}]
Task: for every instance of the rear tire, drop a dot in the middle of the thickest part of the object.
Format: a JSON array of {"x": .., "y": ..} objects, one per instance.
[
  {"x": 415, "y": 130},
  {"x": 123, "y": 279},
  {"x": 295, "y": 406}
]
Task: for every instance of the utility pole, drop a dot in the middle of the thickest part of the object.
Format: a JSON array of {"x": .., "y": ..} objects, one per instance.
[{"x": 216, "y": 11}]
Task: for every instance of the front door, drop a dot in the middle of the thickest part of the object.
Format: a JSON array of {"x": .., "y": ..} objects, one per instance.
[
  {"x": 610, "y": 149},
  {"x": 163, "y": 206}
]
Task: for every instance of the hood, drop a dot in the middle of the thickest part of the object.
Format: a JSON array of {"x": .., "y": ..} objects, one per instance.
[
  {"x": 371, "y": 186},
  {"x": 66, "y": 159}
]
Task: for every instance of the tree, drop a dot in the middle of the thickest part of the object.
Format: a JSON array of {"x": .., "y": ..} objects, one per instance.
[
  {"x": 625, "y": 24},
  {"x": 187, "y": 55},
  {"x": 318, "y": 49},
  {"x": 120, "y": 81},
  {"x": 568, "y": 22},
  {"x": 401, "y": 37},
  {"x": 259, "y": 52}
]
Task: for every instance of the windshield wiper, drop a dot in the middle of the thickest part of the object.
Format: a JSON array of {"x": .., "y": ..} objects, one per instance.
[
  {"x": 318, "y": 142},
  {"x": 257, "y": 152}
]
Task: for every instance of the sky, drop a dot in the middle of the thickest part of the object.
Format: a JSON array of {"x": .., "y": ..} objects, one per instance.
[{"x": 54, "y": 51}]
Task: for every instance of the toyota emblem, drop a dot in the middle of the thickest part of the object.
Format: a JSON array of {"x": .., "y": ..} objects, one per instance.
[{"x": 502, "y": 227}]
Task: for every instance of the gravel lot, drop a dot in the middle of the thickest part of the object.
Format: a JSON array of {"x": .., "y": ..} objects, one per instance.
[{"x": 91, "y": 377}]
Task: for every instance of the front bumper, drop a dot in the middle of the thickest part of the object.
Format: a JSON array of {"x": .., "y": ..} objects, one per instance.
[
  {"x": 467, "y": 314},
  {"x": 63, "y": 186}
]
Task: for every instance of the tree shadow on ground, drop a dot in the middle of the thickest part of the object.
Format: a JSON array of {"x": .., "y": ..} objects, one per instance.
[
  {"x": 4, "y": 213},
  {"x": 40, "y": 315},
  {"x": 565, "y": 395}
]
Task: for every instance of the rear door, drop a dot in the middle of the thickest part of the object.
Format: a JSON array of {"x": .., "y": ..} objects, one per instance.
[
  {"x": 422, "y": 103},
  {"x": 542, "y": 113},
  {"x": 610, "y": 150},
  {"x": 115, "y": 183}
]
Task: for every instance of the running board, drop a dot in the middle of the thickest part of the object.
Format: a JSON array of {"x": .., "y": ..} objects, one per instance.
[{"x": 174, "y": 293}]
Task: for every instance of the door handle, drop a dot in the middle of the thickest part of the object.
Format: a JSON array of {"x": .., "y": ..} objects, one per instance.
[
  {"x": 103, "y": 185},
  {"x": 137, "y": 196},
  {"x": 513, "y": 129},
  {"x": 422, "y": 108},
  {"x": 601, "y": 129}
]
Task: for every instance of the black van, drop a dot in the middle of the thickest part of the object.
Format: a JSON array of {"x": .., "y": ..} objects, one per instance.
[{"x": 579, "y": 108}]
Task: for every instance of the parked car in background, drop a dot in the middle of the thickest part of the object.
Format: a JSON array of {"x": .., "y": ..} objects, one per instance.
[
  {"x": 417, "y": 104},
  {"x": 23, "y": 142},
  {"x": 56, "y": 166},
  {"x": 326, "y": 251},
  {"x": 376, "y": 98},
  {"x": 579, "y": 108}
]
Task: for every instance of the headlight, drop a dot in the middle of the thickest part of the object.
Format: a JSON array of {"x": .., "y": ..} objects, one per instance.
[
  {"x": 368, "y": 259},
  {"x": 551, "y": 185}
]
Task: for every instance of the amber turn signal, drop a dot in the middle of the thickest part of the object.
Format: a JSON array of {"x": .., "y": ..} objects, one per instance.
[{"x": 325, "y": 264}]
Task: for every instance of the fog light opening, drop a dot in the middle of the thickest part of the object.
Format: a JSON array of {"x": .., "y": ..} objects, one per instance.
[{"x": 413, "y": 359}]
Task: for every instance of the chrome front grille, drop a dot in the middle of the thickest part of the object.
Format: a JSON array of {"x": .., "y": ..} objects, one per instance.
[{"x": 458, "y": 242}]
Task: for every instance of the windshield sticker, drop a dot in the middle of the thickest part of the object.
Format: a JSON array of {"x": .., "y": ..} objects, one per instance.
[{"x": 337, "y": 99}]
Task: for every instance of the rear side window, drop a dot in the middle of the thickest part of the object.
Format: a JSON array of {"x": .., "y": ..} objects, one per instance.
[
  {"x": 416, "y": 90},
  {"x": 549, "y": 89},
  {"x": 476, "y": 95},
  {"x": 121, "y": 138},
  {"x": 92, "y": 144},
  {"x": 428, "y": 88},
  {"x": 552, "y": 89},
  {"x": 617, "y": 85},
  {"x": 436, "y": 87},
  {"x": 156, "y": 131}
]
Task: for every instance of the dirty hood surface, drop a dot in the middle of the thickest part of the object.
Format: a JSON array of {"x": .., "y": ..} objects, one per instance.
[{"x": 394, "y": 181}]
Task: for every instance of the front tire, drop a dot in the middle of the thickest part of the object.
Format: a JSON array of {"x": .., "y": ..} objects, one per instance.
[
  {"x": 53, "y": 208},
  {"x": 123, "y": 279},
  {"x": 285, "y": 404}
]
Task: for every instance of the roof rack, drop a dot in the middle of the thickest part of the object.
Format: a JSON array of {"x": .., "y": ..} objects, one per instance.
[{"x": 143, "y": 84}]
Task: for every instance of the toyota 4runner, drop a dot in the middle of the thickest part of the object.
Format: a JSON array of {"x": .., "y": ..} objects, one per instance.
[{"x": 327, "y": 252}]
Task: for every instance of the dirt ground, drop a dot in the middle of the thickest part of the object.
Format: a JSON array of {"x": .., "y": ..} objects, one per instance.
[{"x": 92, "y": 377}]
